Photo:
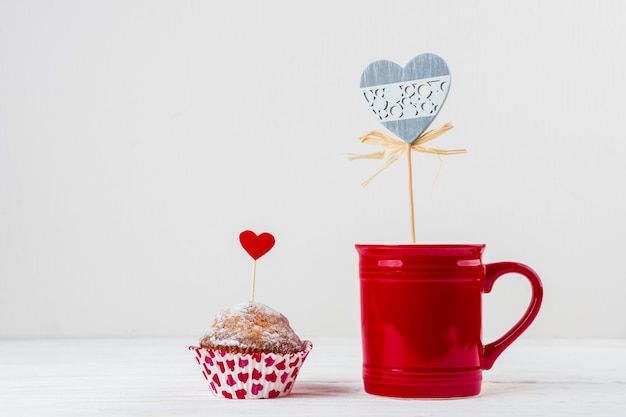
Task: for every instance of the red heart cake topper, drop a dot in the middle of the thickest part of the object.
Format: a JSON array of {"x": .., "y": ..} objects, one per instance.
[{"x": 256, "y": 245}]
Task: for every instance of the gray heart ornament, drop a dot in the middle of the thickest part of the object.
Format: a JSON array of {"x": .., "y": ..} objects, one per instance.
[{"x": 406, "y": 100}]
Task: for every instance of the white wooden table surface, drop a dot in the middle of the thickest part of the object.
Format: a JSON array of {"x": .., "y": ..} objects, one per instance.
[{"x": 159, "y": 377}]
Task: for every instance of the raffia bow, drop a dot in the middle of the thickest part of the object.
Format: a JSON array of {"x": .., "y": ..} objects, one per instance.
[{"x": 396, "y": 147}]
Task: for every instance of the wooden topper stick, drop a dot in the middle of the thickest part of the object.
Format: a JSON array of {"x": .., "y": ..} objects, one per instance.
[
  {"x": 253, "y": 280},
  {"x": 411, "y": 203}
]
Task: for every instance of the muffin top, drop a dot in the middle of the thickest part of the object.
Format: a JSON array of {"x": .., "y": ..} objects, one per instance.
[{"x": 251, "y": 327}]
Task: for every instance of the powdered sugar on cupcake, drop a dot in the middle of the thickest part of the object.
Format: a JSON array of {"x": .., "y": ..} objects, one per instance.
[{"x": 251, "y": 327}]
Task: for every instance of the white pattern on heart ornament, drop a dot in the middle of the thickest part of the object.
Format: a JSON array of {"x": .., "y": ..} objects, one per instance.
[{"x": 406, "y": 100}]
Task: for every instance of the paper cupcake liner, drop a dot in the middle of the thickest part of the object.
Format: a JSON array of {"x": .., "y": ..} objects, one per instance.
[{"x": 250, "y": 375}]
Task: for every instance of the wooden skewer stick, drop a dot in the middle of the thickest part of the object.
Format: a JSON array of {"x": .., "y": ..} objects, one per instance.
[
  {"x": 253, "y": 280},
  {"x": 411, "y": 203}
]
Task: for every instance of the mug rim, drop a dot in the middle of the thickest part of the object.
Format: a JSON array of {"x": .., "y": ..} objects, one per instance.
[
  {"x": 422, "y": 245},
  {"x": 471, "y": 250}
]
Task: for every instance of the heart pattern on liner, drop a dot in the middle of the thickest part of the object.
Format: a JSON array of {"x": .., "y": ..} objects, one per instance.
[
  {"x": 256, "y": 245},
  {"x": 406, "y": 100},
  {"x": 254, "y": 375}
]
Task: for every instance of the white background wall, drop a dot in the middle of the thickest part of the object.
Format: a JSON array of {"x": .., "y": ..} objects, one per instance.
[{"x": 138, "y": 138}]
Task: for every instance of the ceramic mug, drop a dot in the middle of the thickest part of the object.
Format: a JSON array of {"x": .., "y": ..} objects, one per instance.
[{"x": 421, "y": 318}]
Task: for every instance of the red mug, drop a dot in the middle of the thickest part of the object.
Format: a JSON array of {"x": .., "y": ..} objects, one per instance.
[{"x": 421, "y": 318}]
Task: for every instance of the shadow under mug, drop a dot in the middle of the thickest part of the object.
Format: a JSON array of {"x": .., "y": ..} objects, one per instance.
[{"x": 421, "y": 316}]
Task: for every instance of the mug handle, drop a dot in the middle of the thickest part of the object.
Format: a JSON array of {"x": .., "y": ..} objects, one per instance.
[{"x": 494, "y": 271}]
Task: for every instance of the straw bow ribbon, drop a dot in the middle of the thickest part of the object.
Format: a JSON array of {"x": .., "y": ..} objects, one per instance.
[{"x": 395, "y": 147}]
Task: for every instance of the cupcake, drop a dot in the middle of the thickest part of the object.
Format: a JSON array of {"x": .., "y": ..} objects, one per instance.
[{"x": 251, "y": 351}]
